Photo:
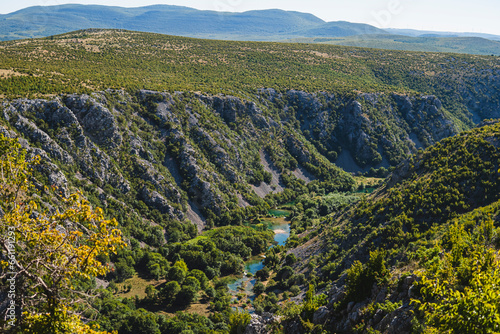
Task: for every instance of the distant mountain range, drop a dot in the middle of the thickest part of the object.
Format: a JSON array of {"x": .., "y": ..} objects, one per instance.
[{"x": 259, "y": 25}]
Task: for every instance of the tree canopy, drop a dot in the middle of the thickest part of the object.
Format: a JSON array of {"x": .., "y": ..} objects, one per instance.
[{"x": 49, "y": 256}]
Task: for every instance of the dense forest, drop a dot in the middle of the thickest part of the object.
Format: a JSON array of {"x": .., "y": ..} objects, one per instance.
[{"x": 143, "y": 174}]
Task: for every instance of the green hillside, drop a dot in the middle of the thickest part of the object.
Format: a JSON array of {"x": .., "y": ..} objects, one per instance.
[
  {"x": 431, "y": 219},
  {"x": 470, "y": 45},
  {"x": 381, "y": 132}
]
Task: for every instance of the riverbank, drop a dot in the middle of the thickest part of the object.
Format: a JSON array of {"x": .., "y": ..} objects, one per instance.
[{"x": 244, "y": 285}]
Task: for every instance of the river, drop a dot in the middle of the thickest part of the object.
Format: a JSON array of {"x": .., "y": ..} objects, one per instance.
[{"x": 245, "y": 284}]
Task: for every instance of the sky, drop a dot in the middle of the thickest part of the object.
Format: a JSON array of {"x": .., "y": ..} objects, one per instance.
[{"x": 480, "y": 16}]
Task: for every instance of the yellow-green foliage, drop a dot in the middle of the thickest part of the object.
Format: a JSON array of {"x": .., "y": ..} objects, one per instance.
[
  {"x": 48, "y": 254},
  {"x": 461, "y": 290},
  {"x": 238, "y": 322}
]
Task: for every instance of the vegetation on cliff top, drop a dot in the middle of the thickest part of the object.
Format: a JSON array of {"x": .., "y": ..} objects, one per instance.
[{"x": 92, "y": 60}]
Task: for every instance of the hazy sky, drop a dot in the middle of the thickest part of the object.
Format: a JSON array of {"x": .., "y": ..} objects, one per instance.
[{"x": 443, "y": 15}]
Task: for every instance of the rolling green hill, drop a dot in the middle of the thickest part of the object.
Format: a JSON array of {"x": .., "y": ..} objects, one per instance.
[
  {"x": 426, "y": 33},
  {"x": 339, "y": 29},
  {"x": 471, "y": 45}
]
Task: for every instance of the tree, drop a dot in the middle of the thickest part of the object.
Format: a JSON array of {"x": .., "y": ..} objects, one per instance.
[
  {"x": 238, "y": 322},
  {"x": 176, "y": 274},
  {"x": 150, "y": 292},
  {"x": 44, "y": 253},
  {"x": 290, "y": 259},
  {"x": 259, "y": 288},
  {"x": 140, "y": 321},
  {"x": 263, "y": 274},
  {"x": 123, "y": 270},
  {"x": 312, "y": 303},
  {"x": 284, "y": 273},
  {"x": 187, "y": 295},
  {"x": 169, "y": 292},
  {"x": 201, "y": 277},
  {"x": 193, "y": 282},
  {"x": 461, "y": 293}
]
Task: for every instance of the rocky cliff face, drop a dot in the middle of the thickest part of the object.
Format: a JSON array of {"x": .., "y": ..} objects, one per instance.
[
  {"x": 476, "y": 90},
  {"x": 387, "y": 310},
  {"x": 57, "y": 131},
  {"x": 185, "y": 152},
  {"x": 373, "y": 130}
]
